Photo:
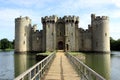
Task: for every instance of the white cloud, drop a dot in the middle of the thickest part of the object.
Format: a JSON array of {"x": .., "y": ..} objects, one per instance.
[{"x": 116, "y": 2}]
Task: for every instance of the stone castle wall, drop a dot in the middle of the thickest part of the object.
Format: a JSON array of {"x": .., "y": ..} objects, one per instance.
[
  {"x": 100, "y": 33},
  {"x": 62, "y": 33},
  {"x": 36, "y": 39},
  {"x": 22, "y": 34}
]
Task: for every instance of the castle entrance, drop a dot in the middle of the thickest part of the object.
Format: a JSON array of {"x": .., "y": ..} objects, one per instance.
[{"x": 60, "y": 45}]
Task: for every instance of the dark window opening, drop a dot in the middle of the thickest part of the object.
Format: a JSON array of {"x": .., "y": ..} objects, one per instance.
[
  {"x": 96, "y": 44},
  {"x": 60, "y": 33},
  {"x": 24, "y": 42},
  {"x": 67, "y": 46},
  {"x": 105, "y": 34}
]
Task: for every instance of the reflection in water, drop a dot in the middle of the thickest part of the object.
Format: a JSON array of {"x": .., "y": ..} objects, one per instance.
[
  {"x": 100, "y": 63},
  {"x": 115, "y": 65},
  {"x": 23, "y": 61}
]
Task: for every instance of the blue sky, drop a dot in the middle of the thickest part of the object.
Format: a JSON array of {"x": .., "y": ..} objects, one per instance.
[{"x": 35, "y": 9}]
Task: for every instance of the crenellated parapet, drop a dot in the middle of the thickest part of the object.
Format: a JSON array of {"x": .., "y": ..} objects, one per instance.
[
  {"x": 34, "y": 27},
  {"x": 21, "y": 19},
  {"x": 73, "y": 19},
  {"x": 98, "y": 18},
  {"x": 86, "y": 30},
  {"x": 49, "y": 19},
  {"x": 101, "y": 18}
]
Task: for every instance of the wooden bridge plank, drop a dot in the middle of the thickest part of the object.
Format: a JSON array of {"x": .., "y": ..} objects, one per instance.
[{"x": 61, "y": 69}]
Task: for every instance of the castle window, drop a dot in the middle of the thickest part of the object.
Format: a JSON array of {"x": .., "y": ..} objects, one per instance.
[
  {"x": 24, "y": 34},
  {"x": 67, "y": 21},
  {"x": 68, "y": 40},
  {"x": 96, "y": 44},
  {"x": 72, "y": 24},
  {"x": 72, "y": 34},
  {"x": 105, "y": 34},
  {"x": 52, "y": 33},
  {"x": 60, "y": 33},
  {"x": 24, "y": 42}
]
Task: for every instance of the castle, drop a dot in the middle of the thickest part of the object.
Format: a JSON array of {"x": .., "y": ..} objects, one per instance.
[{"x": 62, "y": 33}]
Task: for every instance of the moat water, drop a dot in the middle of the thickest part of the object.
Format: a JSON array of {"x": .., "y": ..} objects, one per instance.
[{"x": 11, "y": 64}]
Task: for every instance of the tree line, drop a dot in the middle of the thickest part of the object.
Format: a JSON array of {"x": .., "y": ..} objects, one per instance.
[
  {"x": 114, "y": 44},
  {"x": 6, "y": 44}
]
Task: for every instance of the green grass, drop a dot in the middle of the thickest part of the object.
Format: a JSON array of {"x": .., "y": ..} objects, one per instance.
[
  {"x": 46, "y": 53},
  {"x": 7, "y": 49},
  {"x": 74, "y": 53}
]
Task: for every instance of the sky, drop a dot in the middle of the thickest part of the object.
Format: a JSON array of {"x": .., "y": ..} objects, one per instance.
[{"x": 35, "y": 9}]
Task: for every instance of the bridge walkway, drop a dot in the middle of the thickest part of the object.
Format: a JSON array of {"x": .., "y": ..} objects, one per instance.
[{"x": 61, "y": 69}]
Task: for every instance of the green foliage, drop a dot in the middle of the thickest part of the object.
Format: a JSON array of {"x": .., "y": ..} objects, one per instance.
[
  {"x": 0, "y": 44},
  {"x": 114, "y": 44},
  {"x": 5, "y": 44},
  {"x": 74, "y": 53}
]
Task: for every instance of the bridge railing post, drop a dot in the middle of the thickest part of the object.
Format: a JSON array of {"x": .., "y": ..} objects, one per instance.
[
  {"x": 38, "y": 70},
  {"x": 83, "y": 70}
]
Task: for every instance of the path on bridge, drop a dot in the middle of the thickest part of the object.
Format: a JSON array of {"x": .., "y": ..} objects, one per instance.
[{"x": 61, "y": 69}]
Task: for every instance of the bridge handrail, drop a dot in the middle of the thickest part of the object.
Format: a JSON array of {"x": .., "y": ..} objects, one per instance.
[
  {"x": 83, "y": 70},
  {"x": 37, "y": 71}
]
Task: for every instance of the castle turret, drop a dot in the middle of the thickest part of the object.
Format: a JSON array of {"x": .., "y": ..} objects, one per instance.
[
  {"x": 49, "y": 32},
  {"x": 100, "y": 27},
  {"x": 22, "y": 34},
  {"x": 71, "y": 33}
]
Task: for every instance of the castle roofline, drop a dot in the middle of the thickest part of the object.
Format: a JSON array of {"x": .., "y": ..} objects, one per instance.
[
  {"x": 54, "y": 18},
  {"x": 22, "y": 18},
  {"x": 94, "y": 17}
]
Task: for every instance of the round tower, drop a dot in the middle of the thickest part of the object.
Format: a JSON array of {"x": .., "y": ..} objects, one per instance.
[
  {"x": 22, "y": 34},
  {"x": 101, "y": 42}
]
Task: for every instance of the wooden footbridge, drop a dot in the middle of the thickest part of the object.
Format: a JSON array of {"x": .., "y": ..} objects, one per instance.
[{"x": 60, "y": 66}]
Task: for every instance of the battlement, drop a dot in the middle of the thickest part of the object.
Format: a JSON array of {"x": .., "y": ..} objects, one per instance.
[
  {"x": 71, "y": 18},
  {"x": 64, "y": 19},
  {"x": 49, "y": 19},
  {"x": 34, "y": 27},
  {"x": 60, "y": 20},
  {"x": 86, "y": 30},
  {"x": 99, "y": 17},
  {"x": 22, "y": 19}
]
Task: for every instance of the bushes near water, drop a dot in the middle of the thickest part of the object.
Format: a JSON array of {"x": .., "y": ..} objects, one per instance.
[
  {"x": 5, "y": 44},
  {"x": 114, "y": 44}
]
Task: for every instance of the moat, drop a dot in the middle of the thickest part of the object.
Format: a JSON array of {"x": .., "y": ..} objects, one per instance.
[{"x": 12, "y": 65}]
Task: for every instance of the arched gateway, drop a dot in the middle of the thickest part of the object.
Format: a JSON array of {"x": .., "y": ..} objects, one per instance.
[{"x": 60, "y": 45}]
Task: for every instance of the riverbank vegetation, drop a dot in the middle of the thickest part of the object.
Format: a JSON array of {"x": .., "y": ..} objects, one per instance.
[
  {"x": 6, "y": 45},
  {"x": 114, "y": 44}
]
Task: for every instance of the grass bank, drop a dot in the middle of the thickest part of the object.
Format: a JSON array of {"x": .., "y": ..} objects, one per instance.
[
  {"x": 45, "y": 53},
  {"x": 41, "y": 56},
  {"x": 6, "y": 49},
  {"x": 74, "y": 53}
]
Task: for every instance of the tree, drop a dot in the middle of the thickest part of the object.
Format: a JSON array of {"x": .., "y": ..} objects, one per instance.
[
  {"x": 5, "y": 44},
  {"x": 13, "y": 42},
  {"x": 0, "y": 44},
  {"x": 114, "y": 44}
]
